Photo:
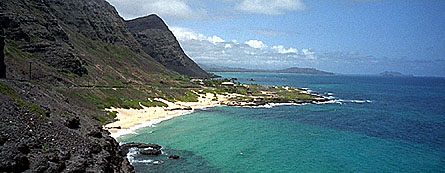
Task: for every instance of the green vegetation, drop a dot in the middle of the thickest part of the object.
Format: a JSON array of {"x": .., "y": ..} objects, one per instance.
[
  {"x": 101, "y": 119},
  {"x": 109, "y": 115},
  {"x": 17, "y": 98},
  {"x": 189, "y": 96},
  {"x": 120, "y": 98},
  {"x": 153, "y": 104},
  {"x": 15, "y": 50}
]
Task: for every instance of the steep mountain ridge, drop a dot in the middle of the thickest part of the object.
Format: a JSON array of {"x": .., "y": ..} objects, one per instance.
[
  {"x": 160, "y": 43},
  {"x": 60, "y": 51},
  {"x": 86, "y": 38}
]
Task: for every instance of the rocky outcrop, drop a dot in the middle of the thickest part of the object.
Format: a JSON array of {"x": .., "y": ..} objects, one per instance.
[
  {"x": 160, "y": 43},
  {"x": 2, "y": 55},
  {"x": 149, "y": 149},
  {"x": 31, "y": 141},
  {"x": 151, "y": 152},
  {"x": 173, "y": 157}
]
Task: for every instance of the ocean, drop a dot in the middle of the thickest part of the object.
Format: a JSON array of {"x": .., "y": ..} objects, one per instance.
[{"x": 374, "y": 124}]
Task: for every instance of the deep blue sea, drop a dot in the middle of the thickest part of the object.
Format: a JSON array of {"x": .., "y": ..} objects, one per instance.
[{"x": 377, "y": 124}]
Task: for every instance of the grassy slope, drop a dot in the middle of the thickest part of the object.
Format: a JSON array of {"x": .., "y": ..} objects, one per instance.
[
  {"x": 20, "y": 101},
  {"x": 135, "y": 76}
]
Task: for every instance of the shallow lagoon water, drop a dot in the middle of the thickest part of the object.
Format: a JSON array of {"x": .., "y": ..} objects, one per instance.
[{"x": 378, "y": 124}]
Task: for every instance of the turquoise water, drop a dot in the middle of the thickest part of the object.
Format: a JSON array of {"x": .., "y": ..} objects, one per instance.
[{"x": 378, "y": 124}]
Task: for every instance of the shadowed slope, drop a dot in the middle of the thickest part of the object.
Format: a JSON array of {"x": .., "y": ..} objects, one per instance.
[{"x": 160, "y": 43}]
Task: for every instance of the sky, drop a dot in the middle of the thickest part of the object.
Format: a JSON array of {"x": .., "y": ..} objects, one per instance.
[{"x": 341, "y": 36}]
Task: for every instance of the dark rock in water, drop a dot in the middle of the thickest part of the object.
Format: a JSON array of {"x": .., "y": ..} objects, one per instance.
[
  {"x": 73, "y": 123},
  {"x": 141, "y": 145},
  {"x": 160, "y": 43},
  {"x": 173, "y": 157},
  {"x": 126, "y": 147},
  {"x": 151, "y": 152}
]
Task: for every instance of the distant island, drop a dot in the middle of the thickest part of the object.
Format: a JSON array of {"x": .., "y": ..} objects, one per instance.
[
  {"x": 392, "y": 74},
  {"x": 297, "y": 70}
]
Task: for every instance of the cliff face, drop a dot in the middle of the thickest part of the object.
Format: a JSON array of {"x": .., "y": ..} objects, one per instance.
[
  {"x": 32, "y": 28},
  {"x": 80, "y": 37},
  {"x": 160, "y": 43}
]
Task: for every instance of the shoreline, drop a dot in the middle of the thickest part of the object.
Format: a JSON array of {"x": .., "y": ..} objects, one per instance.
[{"x": 129, "y": 120}]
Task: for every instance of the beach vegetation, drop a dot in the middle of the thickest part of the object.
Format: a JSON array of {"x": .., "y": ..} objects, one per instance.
[
  {"x": 101, "y": 119},
  {"x": 153, "y": 104},
  {"x": 188, "y": 96}
]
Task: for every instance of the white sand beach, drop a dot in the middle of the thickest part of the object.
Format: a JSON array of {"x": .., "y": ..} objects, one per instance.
[{"x": 130, "y": 119}]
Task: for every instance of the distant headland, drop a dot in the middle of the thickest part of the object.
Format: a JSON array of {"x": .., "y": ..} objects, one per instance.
[
  {"x": 296, "y": 70},
  {"x": 393, "y": 74}
]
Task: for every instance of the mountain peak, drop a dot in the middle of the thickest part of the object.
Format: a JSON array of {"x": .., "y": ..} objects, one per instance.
[
  {"x": 166, "y": 49},
  {"x": 151, "y": 21}
]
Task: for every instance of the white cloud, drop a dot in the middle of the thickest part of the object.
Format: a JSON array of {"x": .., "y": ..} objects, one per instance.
[
  {"x": 215, "y": 39},
  {"x": 282, "y": 50},
  {"x": 184, "y": 34},
  {"x": 172, "y": 8},
  {"x": 250, "y": 54},
  {"x": 270, "y": 7},
  {"x": 308, "y": 53},
  {"x": 256, "y": 44}
]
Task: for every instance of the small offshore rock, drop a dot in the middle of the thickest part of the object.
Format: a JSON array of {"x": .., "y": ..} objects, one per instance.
[
  {"x": 126, "y": 147},
  {"x": 173, "y": 157},
  {"x": 151, "y": 152}
]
